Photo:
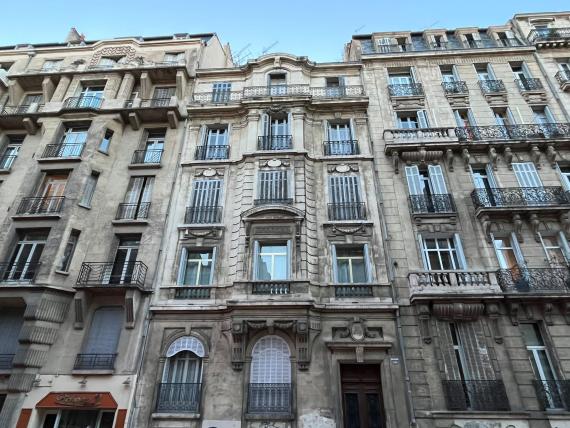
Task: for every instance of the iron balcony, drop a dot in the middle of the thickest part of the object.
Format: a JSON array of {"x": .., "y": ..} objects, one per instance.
[
  {"x": 203, "y": 215},
  {"x": 62, "y": 150},
  {"x": 531, "y": 131},
  {"x": 406, "y": 90},
  {"x": 457, "y": 87},
  {"x": 432, "y": 204},
  {"x": 178, "y": 397},
  {"x": 6, "y": 161},
  {"x": 492, "y": 86},
  {"x": 16, "y": 272},
  {"x": 133, "y": 211},
  {"x": 153, "y": 156},
  {"x": 347, "y": 211},
  {"x": 83, "y": 102},
  {"x": 95, "y": 362},
  {"x": 325, "y": 92},
  {"x": 212, "y": 152},
  {"x": 112, "y": 274},
  {"x": 341, "y": 148},
  {"x": 522, "y": 279},
  {"x": 549, "y": 35},
  {"x": 269, "y": 398},
  {"x": 274, "y": 142},
  {"x": 41, "y": 205},
  {"x": 563, "y": 77},
  {"x": 529, "y": 84},
  {"x": 370, "y": 48},
  {"x": 480, "y": 395},
  {"x": 20, "y": 110},
  {"x": 553, "y": 394},
  {"x": 516, "y": 197}
]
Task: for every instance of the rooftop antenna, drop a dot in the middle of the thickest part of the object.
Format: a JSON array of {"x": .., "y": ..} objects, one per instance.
[
  {"x": 243, "y": 54},
  {"x": 265, "y": 50},
  {"x": 432, "y": 24},
  {"x": 359, "y": 28}
]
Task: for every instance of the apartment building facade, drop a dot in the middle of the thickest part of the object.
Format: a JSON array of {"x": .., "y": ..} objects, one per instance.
[
  {"x": 89, "y": 133},
  {"x": 470, "y": 130}
]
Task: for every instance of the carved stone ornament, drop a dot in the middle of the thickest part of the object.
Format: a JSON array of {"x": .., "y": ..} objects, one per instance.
[
  {"x": 357, "y": 330},
  {"x": 517, "y": 226},
  {"x": 422, "y": 155},
  {"x": 274, "y": 163},
  {"x": 458, "y": 311},
  {"x": 124, "y": 51},
  {"x": 535, "y": 155},
  {"x": 449, "y": 159},
  {"x": 508, "y": 156},
  {"x": 493, "y": 157},
  {"x": 494, "y": 315},
  {"x": 424, "y": 317},
  {"x": 209, "y": 172},
  {"x": 551, "y": 155},
  {"x": 342, "y": 168},
  {"x": 466, "y": 159},
  {"x": 73, "y": 400},
  {"x": 396, "y": 162}
]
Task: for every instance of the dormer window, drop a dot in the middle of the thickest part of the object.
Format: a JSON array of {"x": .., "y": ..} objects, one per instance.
[
  {"x": 472, "y": 41},
  {"x": 438, "y": 42},
  {"x": 108, "y": 62},
  {"x": 52, "y": 65},
  {"x": 173, "y": 57},
  {"x": 277, "y": 84},
  {"x": 403, "y": 45}
]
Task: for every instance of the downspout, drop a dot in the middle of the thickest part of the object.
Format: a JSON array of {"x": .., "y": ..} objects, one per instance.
[
  {"x": 133, "y": 410},
  {"x": 391, "y": 275}
]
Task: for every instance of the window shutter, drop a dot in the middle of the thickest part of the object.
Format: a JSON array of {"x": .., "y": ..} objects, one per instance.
[
  {"x": 265, "y": 124},
  {"x": 449, "y": 357},
  {"x": 436, "y": 179},
  {"x": 563, "y": 179},
  {"x": 289, "y": 259},
  {"x": 352, "y": 135},
  {"x": 510, "y": 115},
  {"x": 526, "y": 174},
  {"x": 458, "y": 119},
  {"x": 525, "y": 69},
  {"x": 471, "y": 117},
  {"x": 474, "y": 351},
  {"x": 459, "y": 251},
  {"x": 334, "y": 264},
  {"x": 491, "y": 176},
  {"x": 563, "y": 242},
  {"x": 549, "y": 115},
  {"x": 414, "y": 75},
  {"x": 423, "y": 119},
  {"x": 270, "y": 361},
  {"x": 289, "y": 123},
  {"x": 182, "y": 266},
  {"x": 423, "y": 254},
  {"x": 326, "y": 130},
  {"x": 517, "y": 250},
  {"x": 455, "y": 73},
  {"x": 105, "y": 331},
  {"x": 11, "y": 321},
  {"x": 213, "y": 267},
  {"x": 414, "y": 181},
  {"x": 344, "y": 189},
  {"x": 255, "y": 259},
  {"x": 489, "y": 68},
  {"x": 368, "y": 263}
]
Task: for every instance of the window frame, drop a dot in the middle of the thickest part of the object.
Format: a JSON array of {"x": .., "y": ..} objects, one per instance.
[
  {"x": 367, "y": 265},
  {"x": 455, "y": 250},
  {"x": 274, "y": 243},
  {"x": 183, "y": 265}
]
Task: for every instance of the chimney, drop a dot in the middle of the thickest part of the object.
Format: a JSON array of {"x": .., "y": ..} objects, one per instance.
[{"x": 73, "y": 37}]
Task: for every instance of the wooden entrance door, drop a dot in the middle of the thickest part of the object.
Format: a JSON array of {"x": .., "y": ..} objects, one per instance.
[{"x": 361, "y": 396}]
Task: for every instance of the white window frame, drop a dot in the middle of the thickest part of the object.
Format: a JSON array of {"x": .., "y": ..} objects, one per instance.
[
  {"x": 455, "y": 250},
  {"x": 184, "y": 265},
  {"x": 257, "y": 257},
  {"x": 365, "y": 258}
]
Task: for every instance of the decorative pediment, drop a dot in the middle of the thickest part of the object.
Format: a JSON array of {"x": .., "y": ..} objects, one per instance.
[
  {"x": 208, "y": 172},
  {"x": 343, "y": 168},
  {"x": 127, "y": 52},
  {"x": 272, "y": 212}
]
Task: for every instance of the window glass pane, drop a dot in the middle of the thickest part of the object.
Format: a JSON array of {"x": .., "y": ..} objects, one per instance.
[
  {"x": 343, "y": 270},
  {"x": 429, "y": 243},
  {"x": 198, "y": 268},
  {"x": 272, "y": 262},
  {"x": 358, "y": 270},
  {"x": 531, "y": 335},
  {"x": 434, "y": 261}
]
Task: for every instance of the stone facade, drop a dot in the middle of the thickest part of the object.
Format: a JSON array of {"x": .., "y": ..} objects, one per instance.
[{"x": 380, "y": 242}]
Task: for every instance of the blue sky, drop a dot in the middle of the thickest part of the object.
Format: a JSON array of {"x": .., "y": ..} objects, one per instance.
[{"x": 314, "y": 28}]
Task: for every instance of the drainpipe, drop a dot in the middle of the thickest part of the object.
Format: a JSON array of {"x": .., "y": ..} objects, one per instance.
[
  {"x": 391, "y": 278},
  {"x": 133, "y": 410}
]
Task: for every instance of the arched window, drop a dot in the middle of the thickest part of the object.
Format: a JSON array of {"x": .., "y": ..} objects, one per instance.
[
  {"x": 182, "y": 376},
  {"x": 270, "y": 378}
]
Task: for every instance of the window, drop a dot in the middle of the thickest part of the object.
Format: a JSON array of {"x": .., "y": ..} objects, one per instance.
[
  {"x": 123, "y": 269},
  {"x": 484, "y": 72},
  {"x": 484, "y": 181},
  {"x": 11, "y": 320},
  {"x": 351, "y": 264},
  {"x": 196, "y": 267},
  {"x": 108, "y": 62},
  {"x": 272, "y": 260},
  {"x": 276, "y": 129},
  {"x": 509, "y": 254},
  {"x": 339, "y": 138},
  {"x": 136, "y": 204},
  {"x": 270, "y": 377},
  {"x": 556, "y": 249},
  {"x": 449, "y": 73},
  {"x": 443, "y": 253},
  {"x": 361, "y": 396},
  {"x": 526, "y": 174},
  {"x": 90, "y": 97},
  {"x": 564, "y": 173},
  {"x": 49, "y": 195},
  {"x": 153, "y": 147},
  {"x": 106, "y": 141},
  {"x": 79, "y": 418},
  {"x": 504, "y": 117},
  {"x": 100, "y": 347},
  {"x": 541, "y": 365},
  {"x": 412, "y": 119},
  {"x": 335, "y": 86},
  {"x": 221, "y": 92},
  {"x": 215, "y": 143},
  {"x": 345, "y": 199},
  {"x": 205, "y": 202},
  {"x": 162, "y": 96},
  {"x": 71, "y": 143},
  {"x": 69, "y": 250},
  {"x": 27, "y": 102},
  {"x": 403, "y": 78},
  {"x": 173, "y": 57},
  {"x": 506, "y": 39},
  {"x": 426, "y": 182},
  {"x": 51, "y": 65},
  {"x": 182, "y": 376},
  {"x": 472, "y": 40},
  {"x": 25, "y": 260},
  {"x": 89, "y": 190},
  {"x": 274, "y": 187},
  {"x": 543, "y": 116},
  {"x": 277, "y": 84},
  {"x": 11, "y": 151}
]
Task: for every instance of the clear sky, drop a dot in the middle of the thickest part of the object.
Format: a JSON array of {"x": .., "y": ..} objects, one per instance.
[{"x": 315, "y": 28}]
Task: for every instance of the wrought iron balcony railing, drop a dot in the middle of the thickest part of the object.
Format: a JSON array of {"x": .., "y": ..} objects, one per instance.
[
  {"x": 212, "y": 152},
  {"x": 95, "y": 362},
  {"x": 406, "y": 90},
  {"x": 155, "y": 102},
  {"x": 178, "y": 397},
  {"x": 133, "y": 211},
  {"x": 549, "y": 35},
  {"x": 273, "y": 201},
  {"x": 528, "y": 280},
  {"x": 276, "y": 91},
  {"x": 17, "y": 272},
  {"x": 150, "y": 156},
  {"x": 6, "y": 361},
  {"x": 217, "y": 97},
  {"x": 63, "y": 150},
  {"x": 353, "y": 290},
  {"x": 347, "y": 211},
  {"x": 528, "y": 131},
  {"x": 112, "y": 274},
  {"x": 370, "y": 48},
  {"x": 563, "y": 77},
  {"x": 203, "y": 215},
  {"x": 516, "y": 197},
  {"x": 263, "y": 398},
  {"x": 271, "y": 287},
  {"x": 337, "y": 91},
  {"x": 553, "y": 394},
  {"x": 529, "y": 84},
  {"x": 45, "y": 205},
  {"x": 453, "y": 281},
  {"x": 274, "y": 142},
  {"x": 198, "y": 292},
  {"x": 492, "y": 86},
  {"x": 81, "y": 102},
  {"x": 507, "y": 43},
  {"x": 457, "y": 87},
  {"x": 482, "y": 395},
  {"x": 6, "y": 161},
  {"x": 432, "y": 204},
  {"x": 341, "y": 148}
]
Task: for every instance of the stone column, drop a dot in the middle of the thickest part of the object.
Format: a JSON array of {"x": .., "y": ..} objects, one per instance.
[{"x": 61, "y": 89}]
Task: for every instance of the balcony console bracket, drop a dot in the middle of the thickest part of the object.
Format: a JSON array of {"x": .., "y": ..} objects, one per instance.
[
  {"x": 458, "y": 100},
  {"x": 134, "y": 121},
  {"x": 498, "y": 99},
  {"x": 535, "y": 97},
  {"x": 172, "y": 119},
  {"x": 31, "y": 125}
]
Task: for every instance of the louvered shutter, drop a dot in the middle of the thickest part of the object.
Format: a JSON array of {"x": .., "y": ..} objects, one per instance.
[
  {"x": 474, "y": 351},
  {"x": 526, "y": 174},
  {"x": 549, "y": 115},
  {"x": 105, "y": 331},
  {"x": 273, "y": 185},
  {"x": 367, "y": 263},
  {"x": 423, "y": 253},
  {"x": 563, "y": 242},
  {"x": 182, "y": 267},
  {"x": 205, "y": 200},
  {"x": 265, "y": 123},
  {"x": 436, "y": 180},
  {"x": 459, "y": 251},
  {"x": 491, "y": 176},
  {"x": 289, "y": 124},
  {"x": 270, "y": 361},
  {"x": 471, "y": 117},
  {"x": 423, "y": 119},
  {"x": 334, "y": 263},
  {"x": 564, "y": 179},
  {"x": 11, "y": 321},
  {"x": 517, "y": 250},
  {"x": 490, "y": 70},
  {"x": 415, "y": 185},
  {"x": 458, "y": 119}
]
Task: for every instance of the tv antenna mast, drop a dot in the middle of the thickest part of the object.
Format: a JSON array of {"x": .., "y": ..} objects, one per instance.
[{"x": 265, "y": 50}]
